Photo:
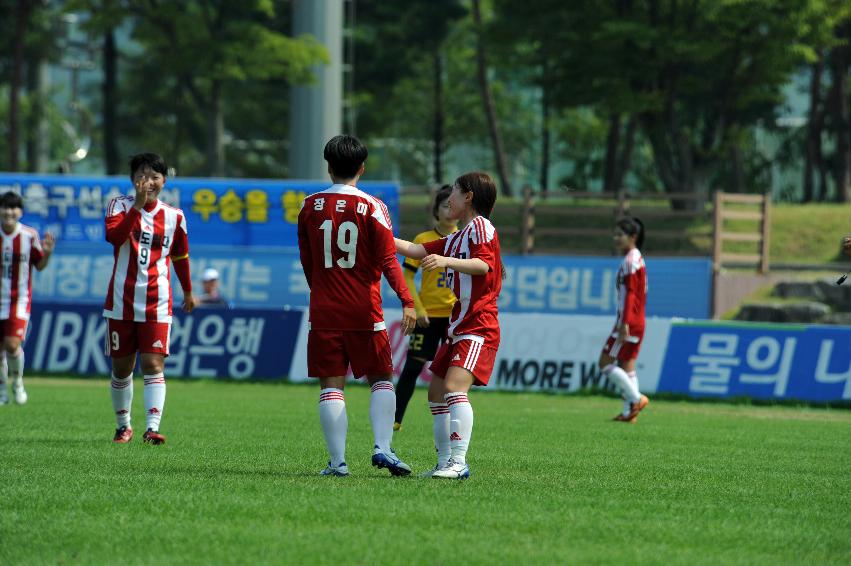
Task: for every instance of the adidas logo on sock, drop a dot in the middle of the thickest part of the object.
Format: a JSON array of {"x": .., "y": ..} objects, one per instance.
[
  {"x": 157, "y": 344},
  {"x": 454, "y": 436}
]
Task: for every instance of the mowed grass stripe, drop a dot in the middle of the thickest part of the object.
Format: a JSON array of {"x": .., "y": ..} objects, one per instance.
[{"x": 553, "y": 480}]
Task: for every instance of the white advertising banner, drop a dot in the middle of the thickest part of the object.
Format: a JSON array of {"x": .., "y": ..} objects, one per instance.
[{"x": 538, "y": 352}]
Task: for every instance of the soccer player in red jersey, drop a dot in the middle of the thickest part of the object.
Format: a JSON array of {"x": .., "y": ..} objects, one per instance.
[
  {"x": 345, "y": 239},
  {"x": 617, "y": 360},
  {"x": 147, "y": 236},
  {"x": 21, "y": 251},
  {"x": 474, "y": 272}
]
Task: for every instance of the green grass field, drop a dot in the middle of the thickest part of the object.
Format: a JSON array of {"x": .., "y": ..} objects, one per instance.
[{"x": 553, "y": 481}]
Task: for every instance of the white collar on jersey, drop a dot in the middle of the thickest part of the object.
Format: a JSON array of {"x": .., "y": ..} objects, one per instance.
[
  {"x": 154, "y": 210},
  {"x": 14, "y": 233},
  {"x": 341, "y": 188}
]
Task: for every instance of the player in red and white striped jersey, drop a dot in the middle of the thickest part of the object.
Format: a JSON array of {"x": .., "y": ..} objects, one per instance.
[
  {"x": 147, "y": 236},
  {"x": 617, "y": 359},
  {"x": 346, "y": 243},
  {"x": 21, "y": 251},
  {"x": 471, "y": 257}
]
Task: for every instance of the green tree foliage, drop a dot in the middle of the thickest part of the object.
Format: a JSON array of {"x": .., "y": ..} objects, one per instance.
[
  {"x": 202, "y": 74},
  {"x": 697, "y": 75}
]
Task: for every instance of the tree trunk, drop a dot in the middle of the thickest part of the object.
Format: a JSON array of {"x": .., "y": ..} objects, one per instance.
[
  {"x": 814, "y": 126},
  {"x": 624, "y": 162},
  {"x": 613, "y": 141},
  {"x": 215, "y": 132},
  {"x": 737, "y": 163},
  {"x": 110, "y": 133},
  {"x": 487, "y": 98},
  {"x": 34, "y": 143},
  {"x": 841, "y": 125},
  {"x": 438, "y": 118},
  {"x": 21, "y": 14},
  {"x": 545, "y": 142}
]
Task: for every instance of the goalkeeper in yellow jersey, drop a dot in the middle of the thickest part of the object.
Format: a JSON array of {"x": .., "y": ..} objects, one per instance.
[{"x": 433, "y": 302}]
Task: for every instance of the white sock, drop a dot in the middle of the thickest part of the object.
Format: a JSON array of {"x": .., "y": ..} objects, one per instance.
[
  {"x": 154, "y": 400},
  {"x": 633, "y": 377},
  {"x": 122, "y": 399},
  {"x": 440, "y": 412},
  {"x": 335, "y": 423},
  {"x": 623, "y": 381},
  {"x": 15, "y": 367},
  {"x": 460, "y": 425},
  {"x": 627, "y": 406},
  {"x": 382, "y": 411}
]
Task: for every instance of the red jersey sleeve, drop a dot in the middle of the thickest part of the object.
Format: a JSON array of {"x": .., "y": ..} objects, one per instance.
[
  {"x": 180, "y": 246},
  {"x": 36, "y": 252},
  {"x": 435, "y": 246},
  {"x": 390, "y": 267},
  {"x": 304, "y": 246},
  {"x": 119, "y": 222},
  {"x": 482, "y": 243},
  {"x": 180, "y": 255}
]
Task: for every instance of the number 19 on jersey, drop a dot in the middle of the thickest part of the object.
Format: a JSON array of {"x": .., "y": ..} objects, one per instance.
[{"x": 346, "y": 240}]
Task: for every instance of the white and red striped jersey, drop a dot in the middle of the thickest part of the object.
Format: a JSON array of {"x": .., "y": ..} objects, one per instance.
[
  {"x": 475, "y": 313},
  {"x": 632, "y": 290},
  {"x": 140, "y": 287},
  {"x": 21, "y": 250},
  {"x": 345, "y": 240}
]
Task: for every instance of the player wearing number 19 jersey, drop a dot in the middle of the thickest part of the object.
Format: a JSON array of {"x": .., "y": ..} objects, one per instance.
[
  {"x": 345, "y": 240},
  {"x": 147, "y": 236}
]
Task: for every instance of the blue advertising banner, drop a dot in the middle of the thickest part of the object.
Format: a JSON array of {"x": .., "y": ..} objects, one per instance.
[
  {"x": 240, "y": 344},
  {"x": 677, "y": 287},
  {"x": 810, "y": 363},
  {"x": 272, "y": 277},
  {"x": 242, "y": 212}
]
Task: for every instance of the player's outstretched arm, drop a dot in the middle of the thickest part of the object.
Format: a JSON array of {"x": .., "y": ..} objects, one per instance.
[
  {"x": 409, "y": 249},
  {"x": 181, "y": 268},
  {"x": 472, "y": 266},
  {"x": 47, "y": 246}
]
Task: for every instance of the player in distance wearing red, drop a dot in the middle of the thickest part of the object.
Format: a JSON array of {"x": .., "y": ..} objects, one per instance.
[
  {"x": 617, "y": 359},
  {"x": 471, "y": 258},
  {"x": 147, "y": 235},
  {"x": 21, "y": 251},
  {"x": 345, "y": 240}
]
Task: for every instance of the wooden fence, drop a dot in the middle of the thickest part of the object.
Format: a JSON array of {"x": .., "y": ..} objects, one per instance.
[
  {"x": 581, "y": 223},
  {"x": 735, "y": 207}
]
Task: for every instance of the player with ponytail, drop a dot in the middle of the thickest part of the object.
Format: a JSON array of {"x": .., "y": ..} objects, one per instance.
[{"x": 617, "y": 360}]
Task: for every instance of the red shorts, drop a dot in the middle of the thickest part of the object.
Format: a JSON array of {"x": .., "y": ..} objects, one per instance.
[
  {"x": 476, "y": 357},
  {"x": 125, "y": 337},
  {"x": 330, "y": 352},
  {"x": 14, "y": 327},
  {"x": 624, "y": 351}
]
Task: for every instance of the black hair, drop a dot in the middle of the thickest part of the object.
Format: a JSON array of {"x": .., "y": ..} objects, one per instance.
[
  {"x": 345, "y": 155},
  {"x": 632, "y": 226},
  {"x": 152, "y": 160},
  {"x": 441, "y": 195},
  {"x": 483, "y": 189},
  {"x": 11, "y": 199}
]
